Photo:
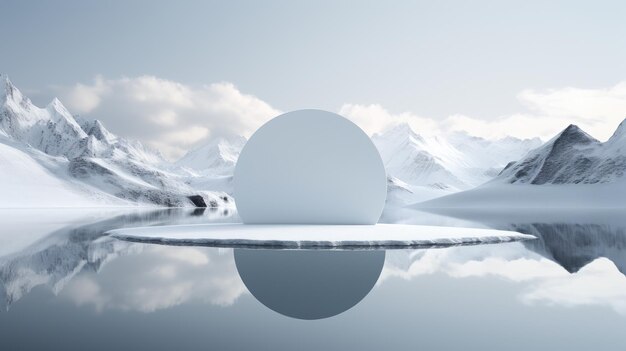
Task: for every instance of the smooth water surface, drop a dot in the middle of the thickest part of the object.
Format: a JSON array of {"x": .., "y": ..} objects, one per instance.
[{"x": 65, "y": 285}]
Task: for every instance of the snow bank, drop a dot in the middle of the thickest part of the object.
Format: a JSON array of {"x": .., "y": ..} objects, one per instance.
[
  {"x": 533, "y": 196},
  {"x": 24, "y": 182}
]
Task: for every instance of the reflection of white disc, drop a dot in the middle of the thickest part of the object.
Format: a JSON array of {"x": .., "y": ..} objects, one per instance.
[
  {"x": 311, "y": 284},
  {"x": 310, "y": 167}
]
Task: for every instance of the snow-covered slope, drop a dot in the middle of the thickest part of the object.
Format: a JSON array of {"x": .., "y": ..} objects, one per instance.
[
  {"x": 571, "y": 157},
  {"x": 80, "y": 158},
  {"x": 401, "y": 194},
  {"x": 457, "y": 161},
  {"x": 26, "y": 182},
  {"x": 211, "y": 166},
  {"x": 572, "y": 170},
  {"x": 419, "y": 168},
  {"x": 416, "y": 160},
  {"x": 217, "y": 157}
]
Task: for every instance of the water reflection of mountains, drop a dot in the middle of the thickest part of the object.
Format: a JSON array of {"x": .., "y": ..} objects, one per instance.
[
  {"x": 573, "y": 246},
  {"x": 571, "y": 238},
  {"x": 61, "y": 254}
]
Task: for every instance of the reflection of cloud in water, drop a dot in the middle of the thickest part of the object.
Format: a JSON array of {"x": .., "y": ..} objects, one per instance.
[
  {"x": 160, "y": 277},
  {"x": 541, "y": 280},
  {"x": 510, "y": 261},
  {"x": 309, "y": 284},
  {"x": 70, "y": 257},
  {"x": 598, "y": 283},
  {"x": 54, "y": 246},
  {"x": 578, "y": 258}
]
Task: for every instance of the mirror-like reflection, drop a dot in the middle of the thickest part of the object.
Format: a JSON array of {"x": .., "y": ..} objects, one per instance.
[
  {"x": 52, "y": 256},
  {"x": 309, "y": 284},
  {"x": 62, "y": 280},
  {"x": 573, "y": 246}
]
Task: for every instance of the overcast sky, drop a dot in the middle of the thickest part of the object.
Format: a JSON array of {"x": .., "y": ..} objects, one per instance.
[{"x": 175, "y": 74}]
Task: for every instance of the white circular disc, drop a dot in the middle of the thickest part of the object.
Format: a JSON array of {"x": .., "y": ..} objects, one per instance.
[{"x": 310, "y": 167}]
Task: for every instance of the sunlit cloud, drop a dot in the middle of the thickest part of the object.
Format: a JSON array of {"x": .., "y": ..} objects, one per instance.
[
  {"x": 175, "y": 117},
  {"x": 168, "y": 115},
  {"x": 543, "y": 115},
  {"x": 159, "y": 278}
]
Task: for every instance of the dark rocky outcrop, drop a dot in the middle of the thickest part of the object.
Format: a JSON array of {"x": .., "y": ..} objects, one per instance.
[{"x": 197, "y": 200}]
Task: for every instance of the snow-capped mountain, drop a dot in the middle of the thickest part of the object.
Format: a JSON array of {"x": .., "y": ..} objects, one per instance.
[
  {"x": 419, "y": 168},
  {"x": 571, "y": 157},
  {"x": 456, "y": 161},
  {"x": 212, "y": 165},
  {"x": 217, "y": 157},
  {"x": 53, "y": 258},
  {"x": 79, "y": 159},
  {"x": 571, "y": 170}
]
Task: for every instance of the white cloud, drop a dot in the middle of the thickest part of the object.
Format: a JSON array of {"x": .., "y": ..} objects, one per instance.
[
  {"x": 168, "y": 115},
  {"x": 374, "y": 118},
  {"x": 523, "y": 126},
  {"x": 597, "y": 111},
  {"x": 174, "y": 117},
  {"x": 85, "y": 98}
]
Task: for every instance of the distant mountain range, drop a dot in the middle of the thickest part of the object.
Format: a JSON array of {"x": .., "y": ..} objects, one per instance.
[
  {"x": 217, "y": 157},
  {"x": 418, "y": 167},
  {"x": 53, "y": 159},
  {"x": 457, "y": 161}
]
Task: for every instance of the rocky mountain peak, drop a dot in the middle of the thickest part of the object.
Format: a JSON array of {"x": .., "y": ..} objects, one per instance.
[
  {"x": 620, "y": 131},
  {"x": 10, "y": 95},
  {"x": 571, "y": 157},
  {"x": 98, "y": 130},
  {"x": 401, "y": 131},
  {"x": 570, "y": 136}
]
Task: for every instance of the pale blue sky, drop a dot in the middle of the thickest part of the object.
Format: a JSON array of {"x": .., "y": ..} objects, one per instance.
[{"x": 433, "y": 58}]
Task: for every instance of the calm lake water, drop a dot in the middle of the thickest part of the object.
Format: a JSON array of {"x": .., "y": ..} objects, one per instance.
[{"x": 65, "y": 285}]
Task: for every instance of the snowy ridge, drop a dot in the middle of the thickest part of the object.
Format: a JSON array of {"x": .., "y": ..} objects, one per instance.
[
  {"x": 218, "y": 156},
  {"x": 456, "y": 161},
  {"x": 571, "y": 157},
  {"x": 572, "y": 170},
  {"x": 419, "y": 168},
  {"x": 89, "y": 164}
]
